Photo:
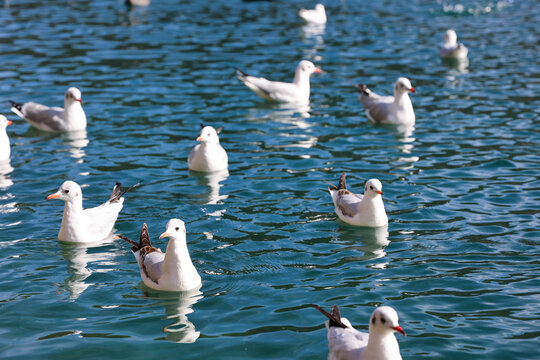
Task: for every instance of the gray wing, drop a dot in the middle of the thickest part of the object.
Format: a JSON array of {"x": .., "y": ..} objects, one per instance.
[
  {"x": 152, "y": 265},
  {"x": 377, "y": 107},
  {"x": 348, "y": 203},
  {"x": 44, "y": 117},
  {"x": 271, "y": 90}
]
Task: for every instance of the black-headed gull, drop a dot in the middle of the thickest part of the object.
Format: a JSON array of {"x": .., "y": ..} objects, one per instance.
[
  {"x": 450, "y": 48},
  {"x": 5, "y": 149},
  {"x": 55, "y": 119},
  {"x": 314, "y": 16},
  {"x": 359, "y": 210},
  {"x": 397, "y": 109},
  {"x": 347, "y": 343},
  {"x": 169, "y": 271},
  {"x": 209, "y": 155},
  {"x": 87, "y": 225},
  {"x": 296, "y": 92}
]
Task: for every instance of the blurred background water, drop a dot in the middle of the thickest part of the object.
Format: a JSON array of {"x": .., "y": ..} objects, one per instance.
[{"x": 459, "y": 259}]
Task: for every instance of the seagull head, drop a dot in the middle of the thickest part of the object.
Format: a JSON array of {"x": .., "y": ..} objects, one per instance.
[
  {"x": 175, "y": 230},
  {"x": 450, "y": 37},
  {"x": 403, "y": 86},
  {"x": 67, "y": 192},
  {"x": 307, "y": 67},
  {"x": 4, "y": 122},
  {"x": 319, "y": 7},
  {"x": 73, "y": 95},
  {"x": 384, "y": 320},
  {"x": 373, "y": 188},
  {"x": 209, "y": 134}
]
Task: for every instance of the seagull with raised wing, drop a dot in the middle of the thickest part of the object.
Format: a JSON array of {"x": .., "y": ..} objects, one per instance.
[
  {"x": 87, "y": 225},
  {"x": 296, "y": 92},
  {"x": 314, "y": 16},
  {"x": 169, "y": 271},
  {"x": 450, "y": 48},
  {"x": 209, "y": 155},
  {"x": 5, "y": 149},
  {"x": 54, "y": 119},
  {"x": 359, "y": 210},
  {"x": 347, "y": 343},
  {"x": 397, "y": 109}
]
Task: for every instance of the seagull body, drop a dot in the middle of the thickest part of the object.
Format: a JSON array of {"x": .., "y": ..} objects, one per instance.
[
  {"x": 169, "y": 271},
  {"x": 451, "y": 49},
  {"x": 137, "y": 2},
  {"x": 314, "y": 16},
  {"x": 359, "y": 210},
  {"x": 87, "y": 225},
  {"x": 397, "y": 109},
  {"x": 347, "y": 343},
  {"x": 55, "y": 119},
  {"x": 209, "y": 155},
  {"x": 5, "y": 149},
  {"x": 296, "y": 92}
]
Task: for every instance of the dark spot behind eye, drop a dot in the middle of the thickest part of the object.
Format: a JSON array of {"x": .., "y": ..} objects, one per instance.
[
  {"x": 177, "y": 228},
  {"x": 373, "y": 320}
]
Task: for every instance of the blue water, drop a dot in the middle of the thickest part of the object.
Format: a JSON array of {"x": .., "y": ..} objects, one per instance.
[{"x": 459, "y": 260}]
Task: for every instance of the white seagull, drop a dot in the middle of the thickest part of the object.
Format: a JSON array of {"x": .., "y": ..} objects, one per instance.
[
  {"x": 451, "y": 49},
  {"x": 314, "y": 16},
  {"x": 5, "y": 149},
  {"x": 55, "y": 119},
  {"x": 87, "y": 225},
  {"x": 169, "y": 271},
  {"x": 347, "y": 343},
  {"x": 395, "y": 109},
  {"x": 209, "y": 155},
  {"x": 359, "y": 210},
  {"x": 296, "y": 92},
  {"x": 137, "y": 2}
]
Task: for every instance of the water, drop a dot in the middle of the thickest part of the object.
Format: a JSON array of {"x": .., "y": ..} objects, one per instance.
[{"x": 459, "y": 260}]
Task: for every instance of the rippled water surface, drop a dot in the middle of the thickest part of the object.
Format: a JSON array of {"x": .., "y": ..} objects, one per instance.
[{"x": 459, "y": 259}]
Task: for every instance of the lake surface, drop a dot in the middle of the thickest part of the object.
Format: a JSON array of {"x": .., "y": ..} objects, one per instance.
[{"x": 459, "y": 260}]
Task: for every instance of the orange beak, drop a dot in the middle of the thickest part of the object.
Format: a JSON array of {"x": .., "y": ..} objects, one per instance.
[
  {"x": 379, "y": 192},
  {"x": 200, "y": 138},
  {"x": 412, "y": 90},
  {"x": 400, "y": 330},
  {"x": 9, "y": 122},
  {"x": 53, "y": 196}
]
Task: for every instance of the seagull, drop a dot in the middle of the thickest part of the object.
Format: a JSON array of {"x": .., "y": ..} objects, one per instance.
[
  {"x": 296, "y": 92},
  {"x": 209, "y": 155},
  {"x": 137, "y": 2},
  {"x": 5, "y": 150},
  {"x": 347, "y": 343},
  {"x": 359, "y": 210},
  {"x": 451, "y": 49},
  {"x": 87, "y": 225},
  {"x": 169, "y": 271},
  {"x": 55, "y": 119},
  {"x": 314, "y": 16},
  {"x": 395, "y": 109}
]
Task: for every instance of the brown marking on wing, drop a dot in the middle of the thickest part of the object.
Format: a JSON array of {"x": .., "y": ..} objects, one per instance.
[{"x": 143, "y": 252}]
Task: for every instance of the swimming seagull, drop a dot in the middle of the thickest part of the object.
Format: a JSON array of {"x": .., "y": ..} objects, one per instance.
[
  {"x": 137, "y": 2},
  {"x": 209, "y": 155},
  {"x": 87, "y": 225},
  {"x": 395, "y": 109},
  {"x": 359, "y": 210},
  {"x": 296, "y": 92},
  {"x": 55, "y": 119},
  {"x": 5, "y": 150},
  {"x": 314, "y": 16},
  {"x": 169, "y": 271},
  {"x": 451, "y": 49},
  {"x": 347, "y": 343}
]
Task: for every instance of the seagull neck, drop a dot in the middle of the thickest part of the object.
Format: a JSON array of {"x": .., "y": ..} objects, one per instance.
[
  {"x": 74, "y": 115},
  {"x": 301, "y": 79},
  {"x": 382, "y": 346},
  {"x": 72, "y": 211},
  {"x": 177, "y": 256},
  {"x": 401, "y": 98}
]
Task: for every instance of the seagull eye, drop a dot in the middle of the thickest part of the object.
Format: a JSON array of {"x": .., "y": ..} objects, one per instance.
[
  {"x": 177, "y": 228},
  {"x": 66, "y": 191},
  {"x": 373, "y": 321},
  {"x": 371, "y": 187},
  {"x": 208, "y": 134},
  {"x": 383, "y": 320}
]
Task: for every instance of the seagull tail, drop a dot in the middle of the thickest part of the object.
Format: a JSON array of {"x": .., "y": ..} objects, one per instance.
[
  {"x": 135, "y": 246},
  {"x": 118, "y": 191},
  {"x": 342, "y": 184},
  {"x": 334, "y": 317},
  {"x": 240, "y": 75},
  {"x": 16, "y": 108},
  {"x": 145, "y": 237},
  {"x": 362, "y": 88}
]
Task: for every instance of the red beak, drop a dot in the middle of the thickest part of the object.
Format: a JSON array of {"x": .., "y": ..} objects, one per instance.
[
  {"x": 412, "y": 90},
  {"x": 379, "y": 192},
  {"x": 9, "y": 122},
  {"x": 79, "y": 100},
  {"x": 318, "y": 70},
  {"x": 400, "y": 330}
]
